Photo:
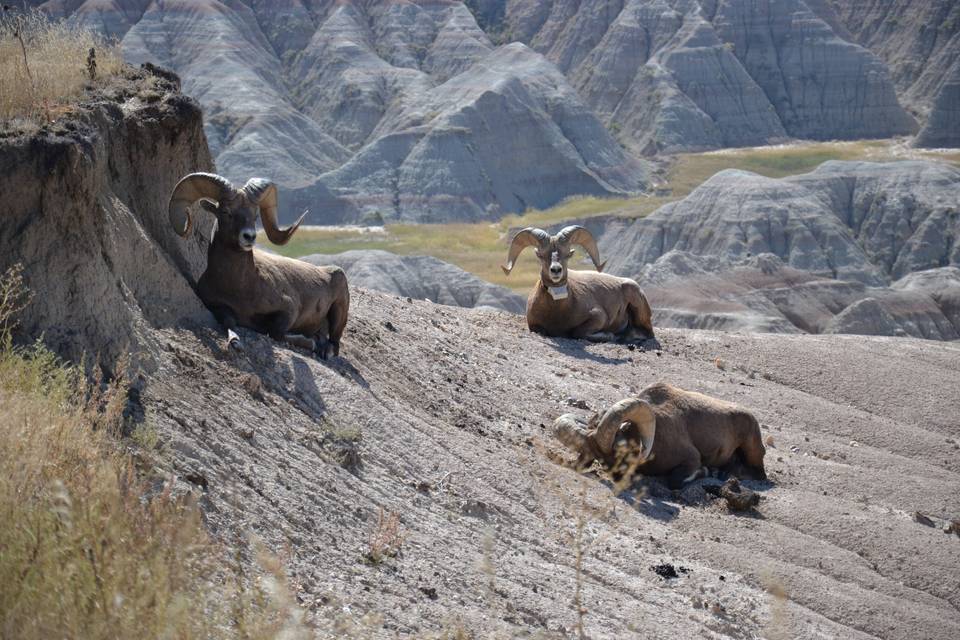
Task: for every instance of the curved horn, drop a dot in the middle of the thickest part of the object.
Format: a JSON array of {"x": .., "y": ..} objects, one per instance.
[
  {"x": 575, "y": 234},
  {"x": 263, "y": 193},
  {"x": 529, "y": 237},
  {"x": 635, "y": 411},
  {"x": 571, "y": 430},
  {"x": 196, "y": 186}
]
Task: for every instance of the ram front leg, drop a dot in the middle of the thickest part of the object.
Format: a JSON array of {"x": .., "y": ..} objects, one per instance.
[
  {"x": 593, "y": 327},
  {"x": 228, "y": 320}
]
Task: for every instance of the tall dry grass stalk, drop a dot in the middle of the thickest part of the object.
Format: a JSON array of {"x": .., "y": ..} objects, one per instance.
[
  {"x": 43, "y": 64},
  {"x": 86, "y": 549}
]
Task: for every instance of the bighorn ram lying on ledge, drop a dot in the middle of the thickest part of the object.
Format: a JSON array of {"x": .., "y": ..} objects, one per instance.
[
  {"x": 579, "y": 304},
  {"x": 667, "y": 431},
  {"x": 288, "y": 299}
]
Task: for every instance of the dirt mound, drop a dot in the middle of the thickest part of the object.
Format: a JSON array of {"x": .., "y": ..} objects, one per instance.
[{"x": 84, "y": 201}]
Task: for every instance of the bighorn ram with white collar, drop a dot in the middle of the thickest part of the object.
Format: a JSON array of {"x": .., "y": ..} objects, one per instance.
[
  {"x": 288, "y": 299},
  {"x": 666, "y": 430},
  {"x": 579, "y": 304}
]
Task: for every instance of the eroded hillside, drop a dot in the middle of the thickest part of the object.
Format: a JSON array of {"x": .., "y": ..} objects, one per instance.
[{"x": 434, "y": 110}]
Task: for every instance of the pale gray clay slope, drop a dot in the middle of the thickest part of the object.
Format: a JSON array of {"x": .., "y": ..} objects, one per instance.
[
  {"x": 943, "y": 125},
  {"x": 682, "y": 74},
  {"x": 411, "y": 104},
  {"x": 440, "y": 415},
  {"x": 420, "y": 278},
  {"x": 862, "y": 221},
  {"x": 920, "y": 42},
  {"x": 426, "y": 110}
]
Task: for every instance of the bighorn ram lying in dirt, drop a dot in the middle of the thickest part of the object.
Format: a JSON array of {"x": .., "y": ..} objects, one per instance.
[
  {"x": 666, "y": 430},
  {"x": 288, "y": 299},
  {"x": 579, "y": 304}
]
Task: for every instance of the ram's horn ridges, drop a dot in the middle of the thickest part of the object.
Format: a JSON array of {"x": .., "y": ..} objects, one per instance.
[
  {"x": 263, "y": 192},
  {"x": 193, "y": 187},
  {"x": 529, "y": 237},
  {"x": 575, "y": 234},
  {"x": 634, "y": 411}
]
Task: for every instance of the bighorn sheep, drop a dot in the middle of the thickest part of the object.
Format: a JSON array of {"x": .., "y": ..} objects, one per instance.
[
  {"x": 666, "y": 430},
  {"x": 290, "y": 300},
  {"x": 579, "y": 304}
]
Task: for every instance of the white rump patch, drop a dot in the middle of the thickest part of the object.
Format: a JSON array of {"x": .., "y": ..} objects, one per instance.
[{"x": 558, "y": 293}]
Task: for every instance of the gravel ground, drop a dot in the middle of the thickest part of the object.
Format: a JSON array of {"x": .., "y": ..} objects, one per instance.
[{"x": 441, "y": 416}]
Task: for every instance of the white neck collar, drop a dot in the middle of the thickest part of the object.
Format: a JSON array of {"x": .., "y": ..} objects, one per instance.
[{"x": 558, "y": 293}]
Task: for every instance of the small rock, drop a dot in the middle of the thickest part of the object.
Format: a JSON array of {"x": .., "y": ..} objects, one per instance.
[
  {"x": 922, "y": 519},
  {"x": 665, "y": 571},
  {"x": 953, "y": 527},
  {"x": 247, "y": 433},
  {"x": 430, "y": 592},
  {"x": 854, "y": 443},
  {"x": 769, "y": 441},
  {"x": 738, "y": 497},
  {"x": 197, "y": 478},
  {"x": 474, "y": 509},
  {"x": 389, "y": 326},
  {"x": 253, "y": 385},
  {"x": 579, "y": 404},
  {"x": 423, "y": 486},
  {"x": 693, "y": 494}
]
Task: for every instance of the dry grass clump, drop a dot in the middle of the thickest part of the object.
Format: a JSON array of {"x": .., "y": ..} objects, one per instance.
[
  {"x": 87, "y": 550},
  {"x": 44, "y": 64},
  {"x": 386, "y": 539},
  {"x": 83, "y": 554}
]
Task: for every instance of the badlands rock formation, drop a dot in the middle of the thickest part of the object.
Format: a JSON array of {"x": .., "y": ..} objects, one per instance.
[
  {"x": 682, "y": 74},
  {"x": 80, "y": 213},
  {"x": 374, "y": 111},
  {"x": 852, "y": 247},
  {"x": 920, "y": 42},
  {"x": 421, "y": 278},
  {"x": 427, "y": 110}
]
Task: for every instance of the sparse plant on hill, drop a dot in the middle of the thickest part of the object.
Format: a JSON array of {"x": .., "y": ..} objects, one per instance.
[
  {"x": 44, "y": 64},
  {"x": 386, "y": 539}
]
